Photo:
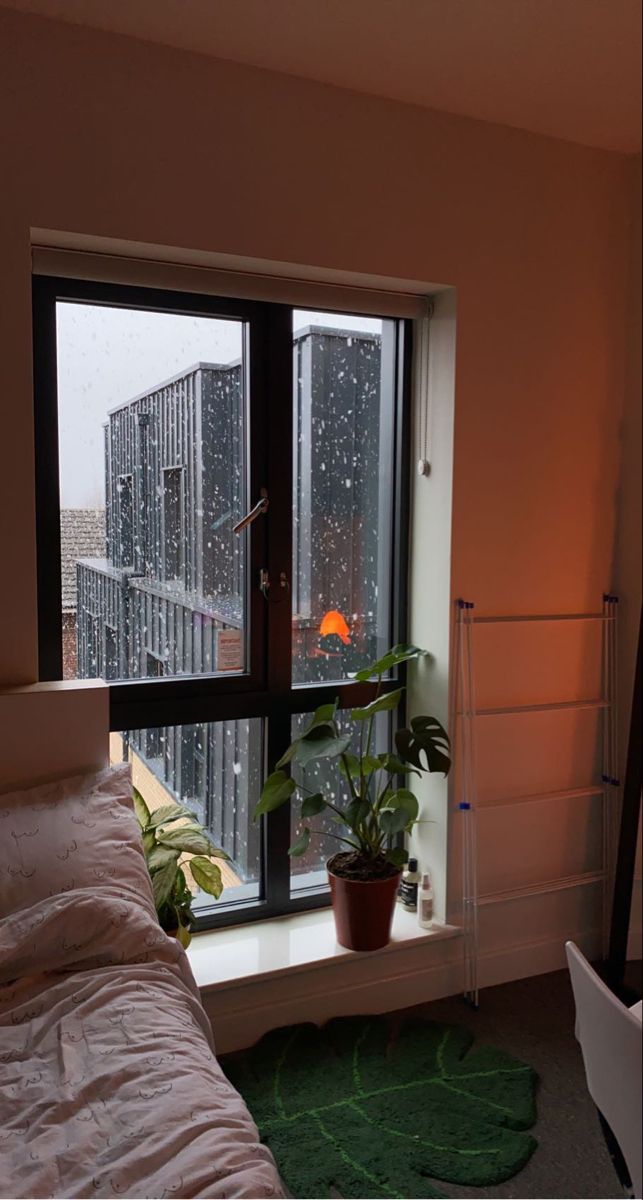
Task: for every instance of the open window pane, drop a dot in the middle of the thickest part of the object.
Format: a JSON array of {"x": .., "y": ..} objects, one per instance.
[
  {"x": 214, "y": 769},
  {"x": 153, "y": 476},
  {"x": 344, "y": 419}
]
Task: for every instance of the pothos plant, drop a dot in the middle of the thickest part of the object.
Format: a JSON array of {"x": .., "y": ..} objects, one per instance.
[
  {"x": 165, "y": 849},
  {"x": 379, "y": 805}
]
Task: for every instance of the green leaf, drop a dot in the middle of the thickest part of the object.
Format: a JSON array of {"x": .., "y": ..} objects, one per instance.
[
  {"x": 169, "y": 813},
  {"x": 323, "y": 717},
  {"x": 159, "y": 856},
  {"x": 361, "y": 1107},
  {"x": 149, "y": 841},
  {"x": 277, "y": 789},
  {"x": 140, "y": 808},
  {"x": 313, "y": 805},
  {"x": 395, "y": 766},
  {"x": 398, "y": 856},
  {"x": 384, "y": 664},
  {"x": 188, "y": 838},
  {"x": 163, "y": 882},
  {"x": 349, "y": 765},
  {"x": 383, "y": 704},
  {"x": 405, "y": 799},
  {"x": 301, "y": 845},
  {"x": 357, "y": 812},
  {"x": 191, "y": 839},
  {"x": 182, "y": 895},
  {"x": 207, "y": 875},
  {"x": 288, "y": 756},
  {"x": 320, "y": 743},
  {"x": 426, "y": 736},
  {"x": 368, "y": 763},
  {"x": 393, "y": 820},
  {"x": 183, "y": 935},
  {"x": 399, "y": 654}
]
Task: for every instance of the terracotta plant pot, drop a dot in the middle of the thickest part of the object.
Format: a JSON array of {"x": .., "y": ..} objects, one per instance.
[{"x": 363, "y": 910}]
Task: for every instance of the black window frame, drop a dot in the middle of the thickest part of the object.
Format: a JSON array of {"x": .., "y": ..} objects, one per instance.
[{"x": 265, "y": 691}]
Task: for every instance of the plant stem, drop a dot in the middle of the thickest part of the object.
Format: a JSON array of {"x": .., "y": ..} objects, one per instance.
[
  {"x": 336, "y": 809},
  {"x": 361, "y": 760},
  {"x": 337, "y": 838},
  {"x": 351, "y": 785},
  {"x": 380, "y": 800},
  {"x": 369, "y": 740}
]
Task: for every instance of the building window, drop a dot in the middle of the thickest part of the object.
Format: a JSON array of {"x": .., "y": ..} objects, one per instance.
[
  {"x": 172, "y": 416},
  {"x": 122, "y": 522},
  {"x": 173, "y": 535}
]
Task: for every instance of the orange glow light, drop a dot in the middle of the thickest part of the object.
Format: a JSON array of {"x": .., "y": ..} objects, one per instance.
[{"x": 333, "y": 622}]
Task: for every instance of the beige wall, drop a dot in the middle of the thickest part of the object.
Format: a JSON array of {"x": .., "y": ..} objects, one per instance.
[{"x": 111, "y": 137}]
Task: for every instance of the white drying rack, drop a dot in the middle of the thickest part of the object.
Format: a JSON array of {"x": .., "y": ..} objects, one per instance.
[{"x": 465, "y": 731}]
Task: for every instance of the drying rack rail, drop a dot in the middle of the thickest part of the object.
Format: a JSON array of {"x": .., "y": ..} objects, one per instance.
[{"x": 466, "y": 728}]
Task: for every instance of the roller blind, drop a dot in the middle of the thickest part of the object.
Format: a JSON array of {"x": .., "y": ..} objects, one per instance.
[{"x": 245, "y": 285}]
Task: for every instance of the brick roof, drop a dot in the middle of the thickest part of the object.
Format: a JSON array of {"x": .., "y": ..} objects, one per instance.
[{"x": 82, "y": 535}]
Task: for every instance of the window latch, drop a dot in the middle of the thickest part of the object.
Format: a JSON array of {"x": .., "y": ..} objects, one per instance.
[
  {"x": 260, "y": 507},
  {"x": 264, "y": 584}
]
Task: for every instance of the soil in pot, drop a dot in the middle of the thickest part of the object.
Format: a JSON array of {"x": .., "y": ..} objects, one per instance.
[{"x": 363, "y": 893}]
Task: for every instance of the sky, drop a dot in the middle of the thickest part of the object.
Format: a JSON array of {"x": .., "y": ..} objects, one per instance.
[{"x": 107, "y": 356}]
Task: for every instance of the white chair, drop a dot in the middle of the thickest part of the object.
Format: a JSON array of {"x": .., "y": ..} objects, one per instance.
[{"x": 610, "y": 1037}]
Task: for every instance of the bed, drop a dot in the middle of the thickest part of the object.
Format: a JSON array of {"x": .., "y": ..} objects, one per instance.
[{"x": 109, "y": 1085}]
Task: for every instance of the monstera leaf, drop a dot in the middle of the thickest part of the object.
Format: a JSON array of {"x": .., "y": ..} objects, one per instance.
[{"x": 347, "y": 1110}]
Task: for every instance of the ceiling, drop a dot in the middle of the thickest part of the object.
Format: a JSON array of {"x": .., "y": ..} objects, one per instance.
[{"x": 566, "y": 68}]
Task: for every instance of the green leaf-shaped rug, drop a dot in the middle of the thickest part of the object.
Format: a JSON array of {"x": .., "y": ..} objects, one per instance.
[{"x": 348, "y": 1108}]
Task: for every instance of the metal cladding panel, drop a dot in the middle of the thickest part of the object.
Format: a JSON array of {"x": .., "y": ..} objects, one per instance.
[
  {"x": 153, "y": 462},
  {"x": 102, "y": 623},
  {"x": 223, "y": 428},
  {"x": 234, "y": 762}
]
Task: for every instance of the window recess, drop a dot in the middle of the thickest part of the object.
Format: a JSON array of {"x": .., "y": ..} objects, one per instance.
[{"x": 162, "y": 418}]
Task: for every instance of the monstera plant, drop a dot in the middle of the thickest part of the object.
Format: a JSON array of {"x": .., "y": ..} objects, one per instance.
[
  {"x": 380, "y": 806},
  {"x": 166, "y": 844}
]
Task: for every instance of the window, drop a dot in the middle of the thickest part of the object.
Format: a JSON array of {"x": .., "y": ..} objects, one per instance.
[
  {"x": 173, "y": 523},
  {"x": 122, "y": 523},
  {"x": 163, "y": 420}
]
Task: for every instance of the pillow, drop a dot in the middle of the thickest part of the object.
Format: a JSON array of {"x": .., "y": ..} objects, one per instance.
[{"x": 72, "y": 834}]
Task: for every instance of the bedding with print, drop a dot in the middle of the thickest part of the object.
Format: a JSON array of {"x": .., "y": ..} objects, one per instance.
[{"x": 108, "y": 1081}]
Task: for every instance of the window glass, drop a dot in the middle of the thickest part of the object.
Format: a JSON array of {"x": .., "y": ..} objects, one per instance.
[
  {"x": 152, "y": 429},
  {"x": 214, "y": 769},
  {"x": 343, "y": 447}
]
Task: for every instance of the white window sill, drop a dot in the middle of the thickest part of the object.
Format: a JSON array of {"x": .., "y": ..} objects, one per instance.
[{"x": 221, "y": 958}]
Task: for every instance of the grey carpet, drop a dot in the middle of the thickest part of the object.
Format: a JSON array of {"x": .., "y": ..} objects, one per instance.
[{"x": 534, "y": 1019}]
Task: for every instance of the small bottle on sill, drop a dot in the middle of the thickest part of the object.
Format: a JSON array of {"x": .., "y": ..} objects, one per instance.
[
  {"x": 425, "y": 902},
  {"x": 407, "y": 893}
]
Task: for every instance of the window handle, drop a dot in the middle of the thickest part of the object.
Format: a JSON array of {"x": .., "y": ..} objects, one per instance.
[{"x": 260, "y": 507}]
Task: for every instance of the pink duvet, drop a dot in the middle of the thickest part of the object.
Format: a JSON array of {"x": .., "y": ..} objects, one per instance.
[{"x": 108, "y": 1081}]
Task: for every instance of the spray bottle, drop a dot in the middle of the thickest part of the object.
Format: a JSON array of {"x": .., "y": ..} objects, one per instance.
[{"x": 425, "y": 902}]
